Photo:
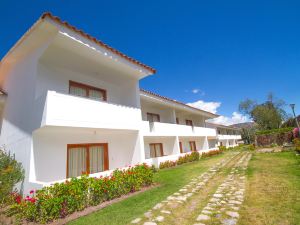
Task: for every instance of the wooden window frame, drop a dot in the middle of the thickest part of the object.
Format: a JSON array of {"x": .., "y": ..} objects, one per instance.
[
  {"x": 153, "y": 114},
  {"x": 180, "y": 147},
  {"x": 193, "y": 144},
  {"x": 87, "y": 157},
  {"x": 189, "y": 123},
  {"x": 161, "y": 149},
  {"x": 87, "y": 88}
]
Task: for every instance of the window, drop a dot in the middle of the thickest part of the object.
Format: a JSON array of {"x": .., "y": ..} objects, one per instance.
[
  {"x": 180, "y": 147},
  {"x": 193, "y": 146},
  {"x": 156, "y": 150},
  {"x": 87, "y": 91},
  {"x": 189, "y": 122},
  {"x": 177, "y": 120},
  {"x": 152, "y": 117},
  {"x": 86, "y": 159}
]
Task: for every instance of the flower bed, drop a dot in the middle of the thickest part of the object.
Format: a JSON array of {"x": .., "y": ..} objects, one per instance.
[
  {"x": 194, "y": 156},
  {"x": 211, "y": 153},
  {"x": 63, "y": 199}
]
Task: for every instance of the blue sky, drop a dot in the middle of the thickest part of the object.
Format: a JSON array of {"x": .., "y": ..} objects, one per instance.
[{"x": 228, "y": 50}]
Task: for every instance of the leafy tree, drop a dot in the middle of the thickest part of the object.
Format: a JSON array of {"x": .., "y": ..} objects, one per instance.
[
  {"x": 267, "y": 115},
  {"x": 248, "y": 134}
]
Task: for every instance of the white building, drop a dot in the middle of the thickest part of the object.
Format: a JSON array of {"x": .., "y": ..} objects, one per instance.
[
  {"x": 226, "y": 136},
  {"x": 71, "y": 104}
]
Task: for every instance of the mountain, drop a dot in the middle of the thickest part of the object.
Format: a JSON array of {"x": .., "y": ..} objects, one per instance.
[{"x": 244, "y": 125}]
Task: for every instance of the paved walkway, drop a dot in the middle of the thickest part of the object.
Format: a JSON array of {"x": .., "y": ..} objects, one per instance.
[{"x": 212, "y": 198}]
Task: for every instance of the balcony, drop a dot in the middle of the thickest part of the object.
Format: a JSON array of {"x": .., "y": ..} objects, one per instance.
[
  {"x": 229, "y": 137},
  {"x": 72, "y": 111},
  {"x": 169, "y": 129}
]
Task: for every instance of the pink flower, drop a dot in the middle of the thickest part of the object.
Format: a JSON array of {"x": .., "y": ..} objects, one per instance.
[{"x": 31, "y": 192}]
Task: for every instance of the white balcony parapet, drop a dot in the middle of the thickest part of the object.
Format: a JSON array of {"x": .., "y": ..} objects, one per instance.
[
  {"x": 229, "y": 137},
  {"x": 73, "y": 111},
  {"x": 158, "y": 160},
  {"x": 169, "y": 129}
]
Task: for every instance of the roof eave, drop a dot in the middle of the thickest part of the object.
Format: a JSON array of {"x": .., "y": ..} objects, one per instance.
[{"x": 179, "y": 104}]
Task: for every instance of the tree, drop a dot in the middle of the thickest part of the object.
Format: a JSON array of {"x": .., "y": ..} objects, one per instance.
[
  {"x": 267, "y": 115},
  {"x": 11, "y": 172}
]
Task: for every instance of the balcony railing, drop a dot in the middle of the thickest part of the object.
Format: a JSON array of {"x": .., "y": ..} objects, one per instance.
[
  {"x": 169, "y": 129},
  {"x": 229, "y": 136},
  {"x": 68, "y": 110}
]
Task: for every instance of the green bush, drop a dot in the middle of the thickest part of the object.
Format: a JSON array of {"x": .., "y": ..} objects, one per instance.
[
  {"x": 222, "y": 148},
  {"x": 275, "y": 131},
  {"x": 167, "y": 164},
  {"x": 11, "y": 172},
  {"x": 211, "y": 153},
  {"x": 62, "y": 199},
  {"x": 194, "y": 156},
  {"x": 296, "y": 142}
]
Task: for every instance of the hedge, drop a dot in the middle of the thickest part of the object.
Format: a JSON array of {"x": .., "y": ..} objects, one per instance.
[
  {"x": 62, "y": 199},
  {"x": 274, "y": 131},
  {"x": 194, "y": 156}
]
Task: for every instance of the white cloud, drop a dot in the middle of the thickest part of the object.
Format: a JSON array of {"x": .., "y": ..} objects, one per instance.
[
  {"x": 207, "y": 106},
  {"x": 234, "y": 119},
  {"x": 196, "y": 90}
]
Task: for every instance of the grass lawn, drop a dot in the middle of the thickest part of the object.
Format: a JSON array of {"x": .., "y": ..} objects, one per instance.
[
  {"x": 171, "y": 180},
  {"x": 273, "y": 190}
]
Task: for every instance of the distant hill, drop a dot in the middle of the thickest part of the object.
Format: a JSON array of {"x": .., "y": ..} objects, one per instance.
[{"x": 244, "y": 125}]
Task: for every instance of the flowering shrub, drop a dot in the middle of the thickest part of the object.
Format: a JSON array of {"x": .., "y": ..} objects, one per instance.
[
  {"x": 297, "y": 144},
  {"x": 11, "y": 172},
  {"x": 62, "y": 199},
  {"x": 194, "y": 156},
  {"x": 167, "y": 164},
  {"x": 211, "y": 153}
]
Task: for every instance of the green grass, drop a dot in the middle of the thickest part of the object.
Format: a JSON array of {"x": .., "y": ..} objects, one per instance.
[
  {"x": 273, "y": 190},
  {"x": 170, "y": 180}
]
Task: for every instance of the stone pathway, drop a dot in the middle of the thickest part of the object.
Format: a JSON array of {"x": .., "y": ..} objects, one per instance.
[
  {"x": 158, "y": 213},
  {"x": 225, "y": 203}
]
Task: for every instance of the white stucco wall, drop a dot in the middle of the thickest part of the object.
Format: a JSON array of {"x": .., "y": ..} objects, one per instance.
[
  {"x": 166, "y": 114},
  {"x": 50, "y": 149},
  {"x": 201, "y": 143},
  {"x": 120, "y": 90},
  {"x": 170, "y": 146}
]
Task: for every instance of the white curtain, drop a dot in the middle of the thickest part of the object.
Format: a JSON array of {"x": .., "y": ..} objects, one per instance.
[
  {"x": 77, "y": 161},
  {"x": 78, "y": 91},
  {"x": 96, "y": 159}
]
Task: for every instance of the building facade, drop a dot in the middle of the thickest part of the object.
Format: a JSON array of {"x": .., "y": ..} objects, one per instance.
[{"x": 71, "y": 104}]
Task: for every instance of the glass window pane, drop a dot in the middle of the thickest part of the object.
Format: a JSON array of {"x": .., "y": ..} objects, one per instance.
[
  {"x": 155, "y": 118},
  {"x": 77, "y": 161},
  {"x": 96, "y": 159},
  {"x": 78, "y": 91},
  {"x": 150, "y": 117},
  {"x": 96, "y": 94},
  {"x": 158, "y": 150},
  {"x": 152, "y": 151}
]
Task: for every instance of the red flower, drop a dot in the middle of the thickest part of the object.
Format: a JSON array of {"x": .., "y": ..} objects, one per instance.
[
  {"x": 18, "y": 199},
  {"x": 31, "y": 192}
]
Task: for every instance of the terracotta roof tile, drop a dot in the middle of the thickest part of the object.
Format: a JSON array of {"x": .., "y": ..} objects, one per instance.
[{"x": 102, "y": 44}]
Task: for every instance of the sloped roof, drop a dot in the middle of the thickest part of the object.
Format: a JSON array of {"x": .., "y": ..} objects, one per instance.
[{"x": 89, "y": 37}]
